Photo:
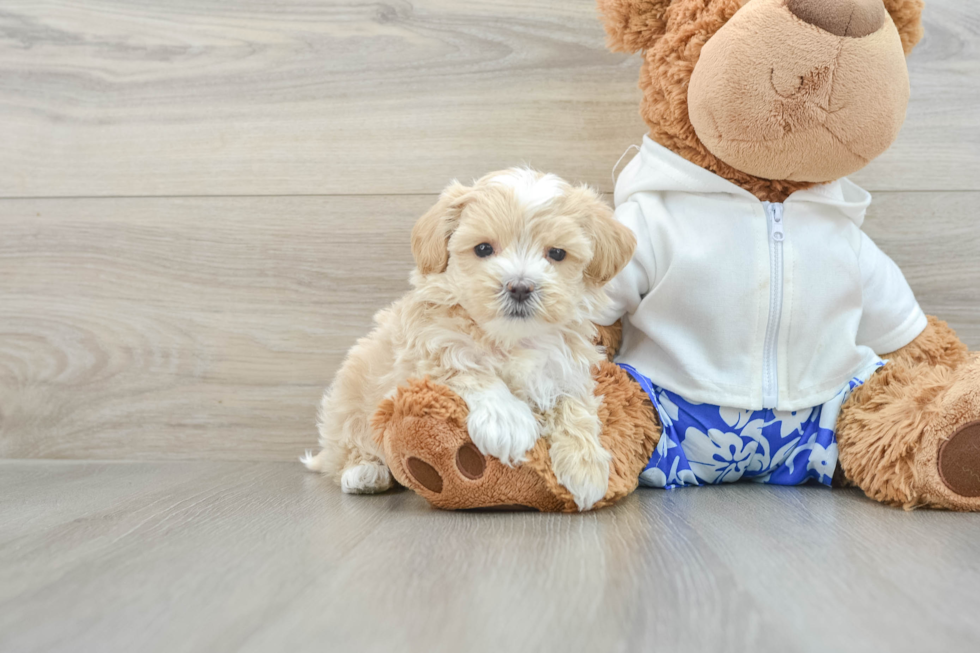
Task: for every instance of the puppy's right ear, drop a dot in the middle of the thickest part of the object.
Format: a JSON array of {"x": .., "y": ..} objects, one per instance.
[
  {"x": 430, "y": 235},
  {"x": 633, "y": 25}
]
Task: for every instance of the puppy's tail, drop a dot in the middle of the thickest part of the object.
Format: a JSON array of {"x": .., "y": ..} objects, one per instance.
[
  {"x": 317, "y": 463},
  {"x": 330, "y": 461}
]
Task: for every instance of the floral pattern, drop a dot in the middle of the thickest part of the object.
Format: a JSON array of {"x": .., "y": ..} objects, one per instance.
[{"x": 707, "y": 445}]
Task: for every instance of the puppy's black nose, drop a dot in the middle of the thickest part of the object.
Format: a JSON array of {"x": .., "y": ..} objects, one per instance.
[{"x": 520, "y": 291}]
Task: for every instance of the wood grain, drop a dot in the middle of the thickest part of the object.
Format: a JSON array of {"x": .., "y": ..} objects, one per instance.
[
  {"x": 186, "y": 327},
  {"x": 208, "y": 327},
  {"x": 218, "y": 556},
  {"x": 222, "y": 97}
]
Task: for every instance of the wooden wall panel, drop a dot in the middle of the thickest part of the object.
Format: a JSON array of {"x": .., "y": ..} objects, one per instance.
[
  {"x": 246, "y": 97},
  {"x": 208, "y": 327}
]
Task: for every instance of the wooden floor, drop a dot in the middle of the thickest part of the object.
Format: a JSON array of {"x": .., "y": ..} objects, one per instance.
[
  {"x": 226, "y": 556},
  {"x": 202, "y": 203}
]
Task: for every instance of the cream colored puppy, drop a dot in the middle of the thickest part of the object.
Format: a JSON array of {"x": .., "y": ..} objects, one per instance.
[{"x": 509, "y": 272}]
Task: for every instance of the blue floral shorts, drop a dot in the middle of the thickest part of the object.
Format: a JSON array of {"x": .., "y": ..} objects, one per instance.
[{"x": 707, "y": 445}]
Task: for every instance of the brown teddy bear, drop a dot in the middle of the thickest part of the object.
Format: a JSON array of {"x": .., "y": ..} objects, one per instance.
[{"x": 765, "y": 337}]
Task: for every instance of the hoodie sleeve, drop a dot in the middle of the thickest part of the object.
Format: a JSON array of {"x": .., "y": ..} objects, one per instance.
[
  {"x": 628, "y": 288},
  {"x": 892, "y": 317}
]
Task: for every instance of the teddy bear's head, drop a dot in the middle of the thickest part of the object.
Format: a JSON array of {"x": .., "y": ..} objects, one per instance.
[{"x": 774, "y": 95}]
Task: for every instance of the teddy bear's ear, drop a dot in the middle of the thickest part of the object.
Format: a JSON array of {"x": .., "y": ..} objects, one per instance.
[
  {"x": 633, "y": 25},
  {"x": 907, "y": 16},
  {"x": 430, "y": 235}
]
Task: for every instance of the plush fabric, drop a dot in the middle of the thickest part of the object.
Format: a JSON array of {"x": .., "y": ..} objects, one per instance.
[
  {"x": 779, "y": 98},
  {"x": 423, "y": 432},
  {"x": 853, "y": 18},
  {"x": 671, "y": 36},
  {"x": 893, "y": 427},
  {"x": 907, "y": 16}
]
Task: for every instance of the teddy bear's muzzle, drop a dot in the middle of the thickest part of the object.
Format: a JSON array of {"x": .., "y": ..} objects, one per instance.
[{"x": 826, "y": 96}]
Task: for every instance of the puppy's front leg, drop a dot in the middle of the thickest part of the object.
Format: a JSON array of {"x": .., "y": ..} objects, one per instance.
[
  {"x": 500, "y": 424},
  {"x": 577, "y": 456}
]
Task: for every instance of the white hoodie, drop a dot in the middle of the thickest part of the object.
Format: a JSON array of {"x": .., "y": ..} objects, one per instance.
[{"x": 735, "y": 302}]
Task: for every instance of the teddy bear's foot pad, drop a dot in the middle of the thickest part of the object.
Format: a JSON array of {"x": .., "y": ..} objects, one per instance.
[
  {"x": 959, "y": 461},
  {"x": 469, "y": 462},
  {"x": 424, "y": 474}
]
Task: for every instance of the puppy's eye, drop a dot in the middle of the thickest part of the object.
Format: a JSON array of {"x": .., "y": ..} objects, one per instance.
[
  {"x": 556, "y": 254},
  {"x": 483, "y": 250}
]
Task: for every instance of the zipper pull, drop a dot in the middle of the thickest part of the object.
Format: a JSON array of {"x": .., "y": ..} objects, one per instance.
[{"x": 776, "y": 223}]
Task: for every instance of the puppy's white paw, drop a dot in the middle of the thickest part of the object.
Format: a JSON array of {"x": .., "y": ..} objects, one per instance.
[
  {"x": 501, "y": 425},
  {"x": 584, "y": 474},
  {"x": 366, "y": 478}
]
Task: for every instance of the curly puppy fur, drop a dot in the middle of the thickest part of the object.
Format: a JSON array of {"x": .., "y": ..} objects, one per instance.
[{"x": 671, "y": 35}]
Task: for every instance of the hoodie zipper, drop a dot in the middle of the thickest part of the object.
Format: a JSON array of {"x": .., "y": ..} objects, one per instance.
[{"x": 770, "y": 360}]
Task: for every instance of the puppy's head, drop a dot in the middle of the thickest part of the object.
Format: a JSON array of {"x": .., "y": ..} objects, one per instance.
[{"x": 521, "y": 249}]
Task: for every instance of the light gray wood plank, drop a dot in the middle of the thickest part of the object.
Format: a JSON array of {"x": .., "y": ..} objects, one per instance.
[
  {"x": 128, "y": 97},
  {"x": 220, "y": 556},
  {"x": 156, "y": 328},
  {"x": 217, "y": 97},
  {"x": 935, "y": 240},
  {"x": 208, "y": 328}
]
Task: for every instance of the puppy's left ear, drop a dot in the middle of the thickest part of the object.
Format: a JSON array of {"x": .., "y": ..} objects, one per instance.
[
  {"x": 612, "y": 243},
  {"x": 430, "y": 235}
]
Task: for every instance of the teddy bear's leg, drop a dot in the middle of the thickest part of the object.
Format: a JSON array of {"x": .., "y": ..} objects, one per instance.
[
  {"x": 423, "y": 433},
  {"x": 910, "y": 436}
]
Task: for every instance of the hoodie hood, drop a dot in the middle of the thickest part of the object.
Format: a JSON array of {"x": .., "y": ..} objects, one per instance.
[{"x": 657, "y": 169}]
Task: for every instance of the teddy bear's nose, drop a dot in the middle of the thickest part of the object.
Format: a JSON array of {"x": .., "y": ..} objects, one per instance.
[{"x": 854, "y": 18}]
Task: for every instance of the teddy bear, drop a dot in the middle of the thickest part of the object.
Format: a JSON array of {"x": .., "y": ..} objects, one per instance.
[{"x": 759, "y": 334}]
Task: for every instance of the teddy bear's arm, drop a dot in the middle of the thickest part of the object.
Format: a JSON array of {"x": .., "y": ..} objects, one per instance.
[
  {"x": 609, "y": 338},
  {"x": 937, "y": 346},
  {"x": 891, "y": 317}
]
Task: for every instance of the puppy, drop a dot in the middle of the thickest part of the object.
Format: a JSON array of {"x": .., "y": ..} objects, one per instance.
[{"x": 509, "y": 272}]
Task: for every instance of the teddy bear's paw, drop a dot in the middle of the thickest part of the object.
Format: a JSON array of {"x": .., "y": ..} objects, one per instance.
[
  {"x": 501, "y": 425},
  {"x": 436, "y": 459},
  {"x": 949, "y": 473},
  {"x": 959, "y": 461},
  {"x": 584, "y": 473},
  {"x": 370, "y": 477}
]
